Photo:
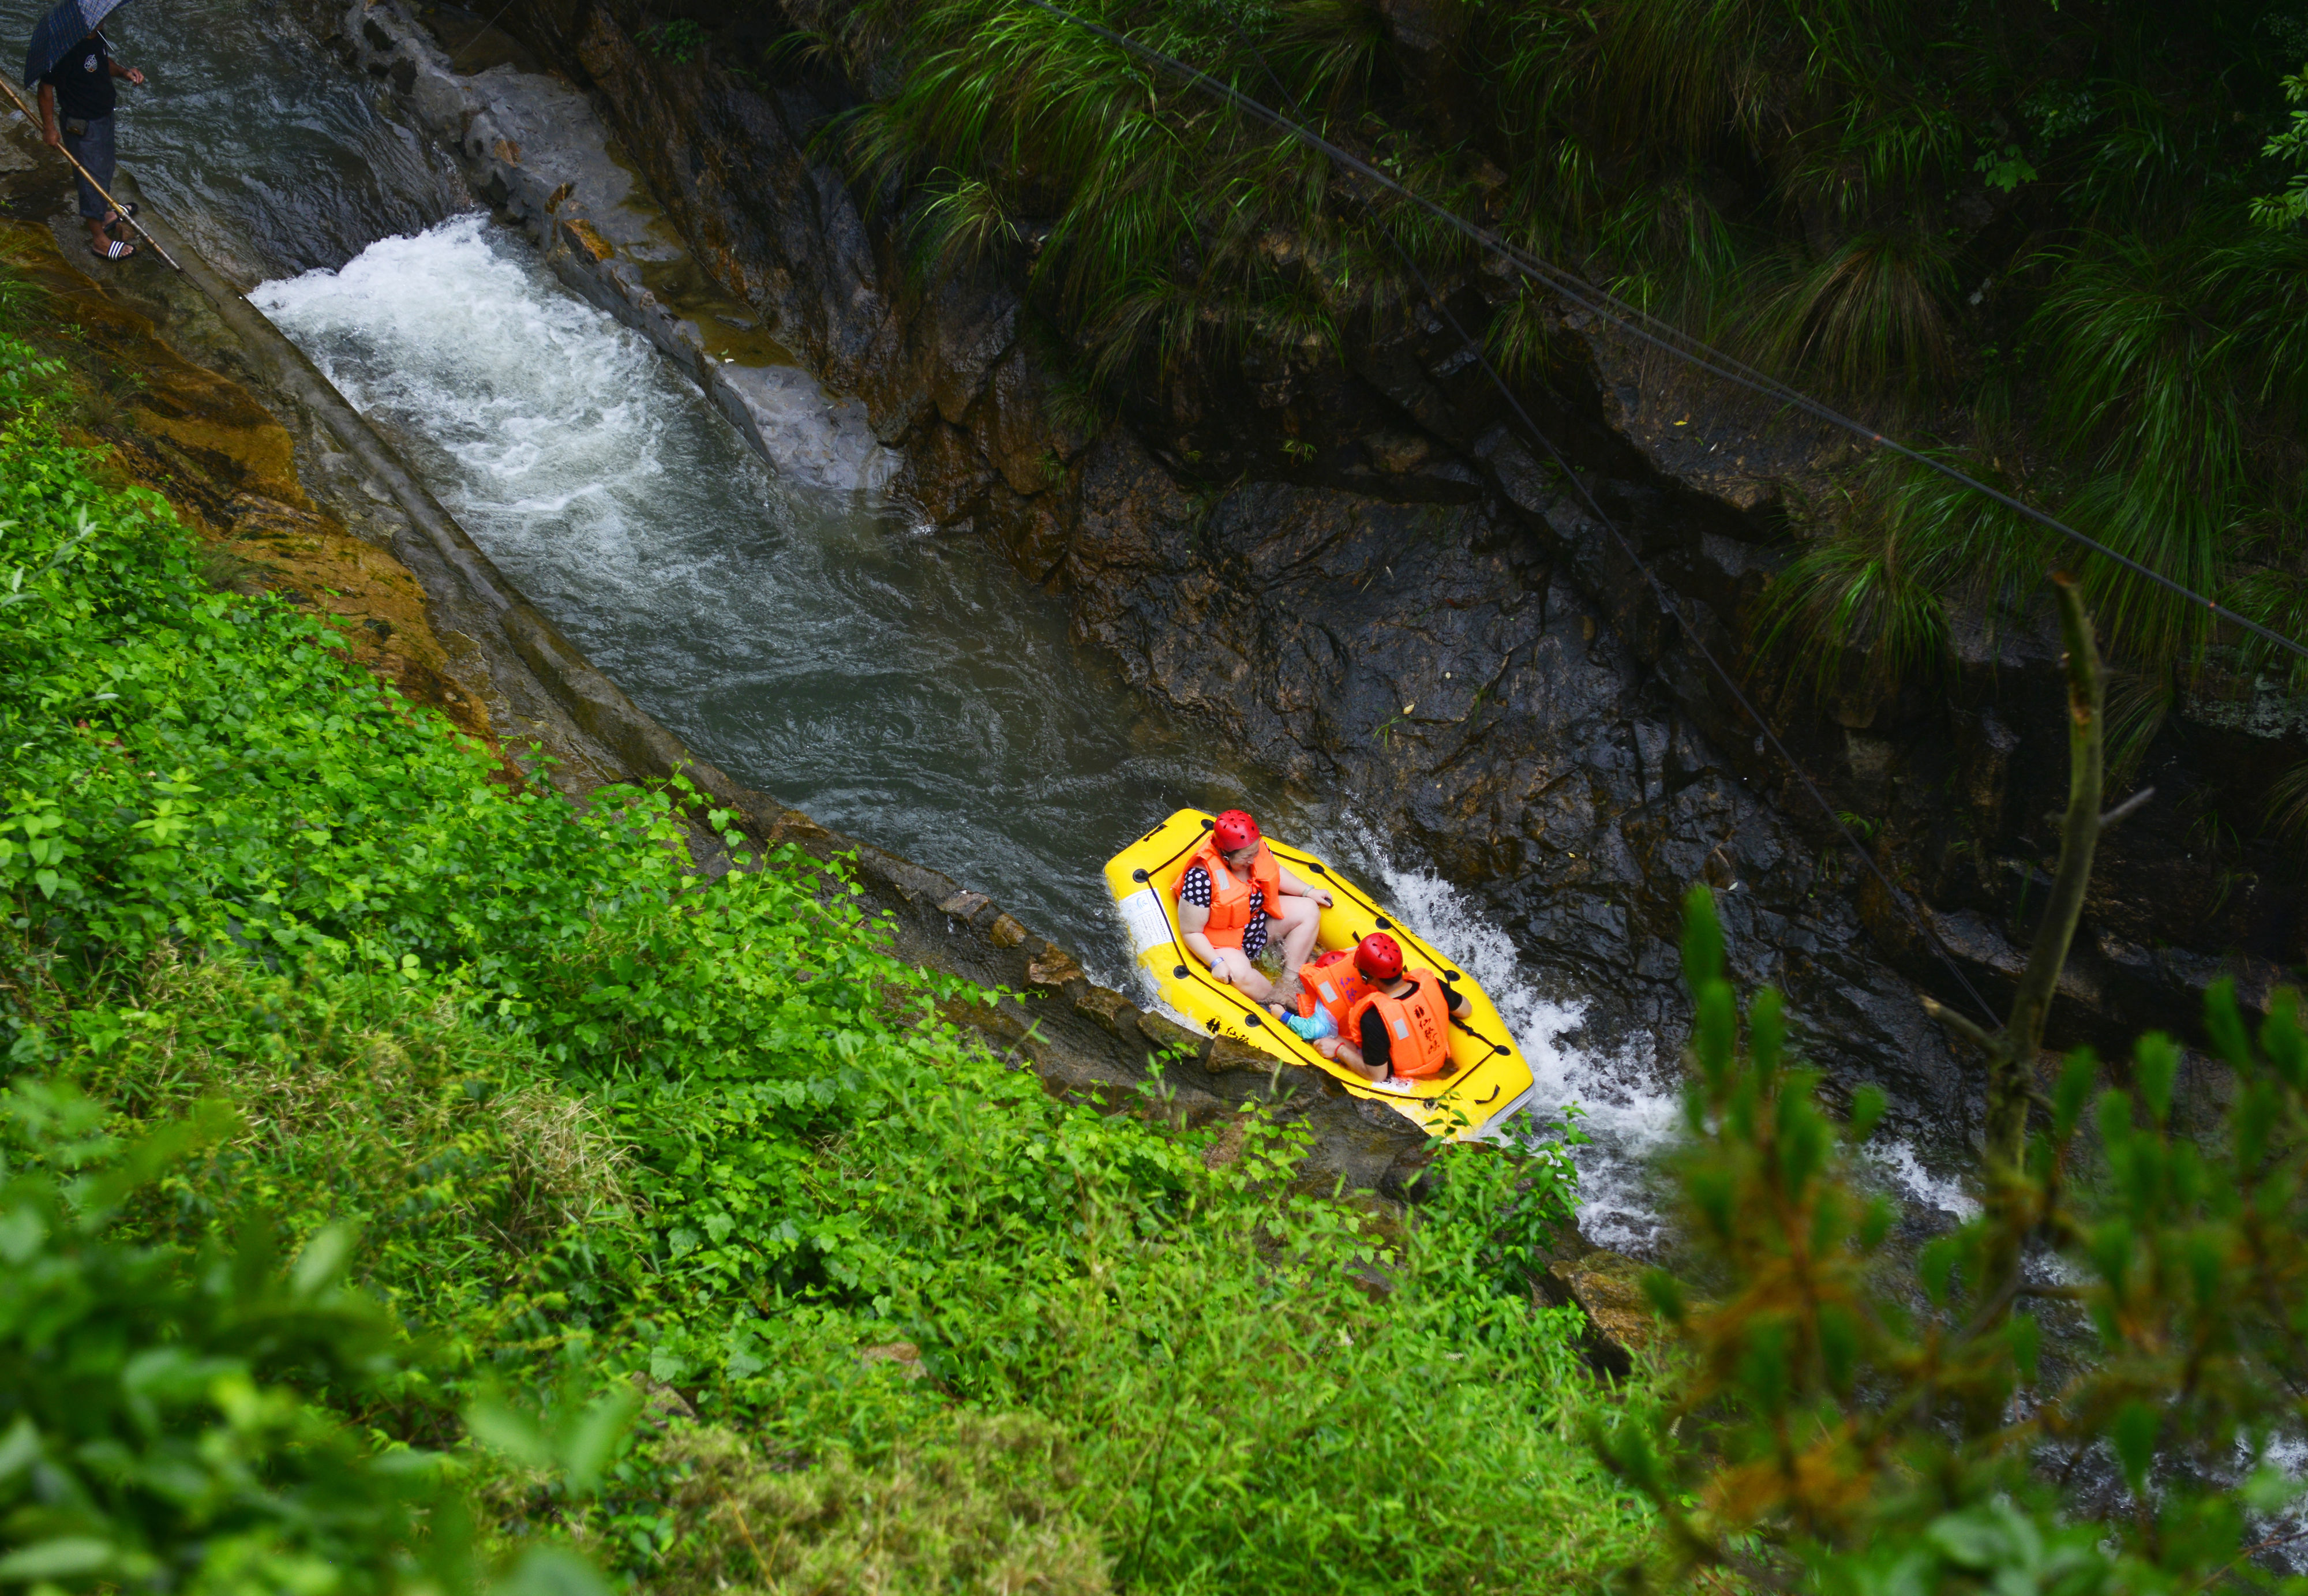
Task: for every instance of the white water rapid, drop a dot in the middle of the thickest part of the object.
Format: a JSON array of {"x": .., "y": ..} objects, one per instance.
[{"x": 896, "y": 685}]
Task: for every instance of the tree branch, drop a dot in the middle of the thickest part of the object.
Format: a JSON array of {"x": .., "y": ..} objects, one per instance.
[
  {"x": 1957, "y": 1023},
  {"x": 2012, "y": 1068},
  {"x": 2011, "y": 1090}
]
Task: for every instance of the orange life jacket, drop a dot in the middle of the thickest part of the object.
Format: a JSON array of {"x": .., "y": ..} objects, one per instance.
[
  {"x": 1230, "y": 893},
  {"x": 1332, "y": 981},
  {"x": 1417, "y": 1027}
]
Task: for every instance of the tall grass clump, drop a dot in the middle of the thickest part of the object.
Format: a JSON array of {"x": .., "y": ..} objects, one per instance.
[{"x": 1864, "y": 602}]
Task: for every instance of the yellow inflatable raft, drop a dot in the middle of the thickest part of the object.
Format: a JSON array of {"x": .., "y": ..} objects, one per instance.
[{"x": 1491, "y": 1080}]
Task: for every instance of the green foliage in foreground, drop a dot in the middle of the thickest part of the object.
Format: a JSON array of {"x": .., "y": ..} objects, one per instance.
[
  {"x": 593, "y": 1118},
  {"x": 1866, "y": 1435},
  {"x": 160, "y": 1433}
]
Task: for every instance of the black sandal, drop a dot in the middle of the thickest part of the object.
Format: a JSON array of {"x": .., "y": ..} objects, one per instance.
[
  {"x": 127, "y": 212},
  {"x": 119, "y": 250}
]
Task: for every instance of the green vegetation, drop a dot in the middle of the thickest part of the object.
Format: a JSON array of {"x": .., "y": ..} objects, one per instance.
[
  {"x": 2086, "y": 1388},
  {"x": 2105, "y": 1422},
  {"x": 413, "y": 1184},
  {"x": 2060, "y": 241},
  {"x": 570, "y": 1122}
]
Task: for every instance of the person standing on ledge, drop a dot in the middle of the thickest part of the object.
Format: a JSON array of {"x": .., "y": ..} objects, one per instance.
[{"x": 79, "y": 90}]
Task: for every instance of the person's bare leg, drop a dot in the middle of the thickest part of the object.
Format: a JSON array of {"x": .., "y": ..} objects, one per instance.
[
  {"x": 102, "y": 237},
  {"x": 1244, "y": 974},
  {"x": 1297, "y": 925},
  {"x": 1302, "y": 921}
]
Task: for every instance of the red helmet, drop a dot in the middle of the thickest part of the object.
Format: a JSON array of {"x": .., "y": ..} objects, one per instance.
[
  {"x": 1234, "y": 829},
  {"x": 1379, "y": 957}
]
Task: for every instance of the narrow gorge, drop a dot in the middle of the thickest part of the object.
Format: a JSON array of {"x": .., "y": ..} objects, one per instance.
[
  {"x": 583, "y": 681},
  {"x": 1240, "y": 539},
  {"x": 1342, "y": 589}
]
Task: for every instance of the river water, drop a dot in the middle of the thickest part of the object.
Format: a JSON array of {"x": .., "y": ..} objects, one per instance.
[
  {"x": 908, "y": 688},
  {"x": 904, "y": 687}
]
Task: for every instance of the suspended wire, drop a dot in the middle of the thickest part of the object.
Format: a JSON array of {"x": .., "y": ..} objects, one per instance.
[
  {"x": 1649, "y": 329},
  {"x": 1668, "y": 600}
]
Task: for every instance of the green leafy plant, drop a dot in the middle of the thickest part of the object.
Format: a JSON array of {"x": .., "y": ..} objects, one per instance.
[
  {"x": 1861, "y": 1436},
  {"x": 680, "y": 39},
  {"x": 580, "y": 1107},
  {"x": 158, "y": 1427},
  {"x": 2289, "y": 206},
  {"x": 2005, "y": 169}
]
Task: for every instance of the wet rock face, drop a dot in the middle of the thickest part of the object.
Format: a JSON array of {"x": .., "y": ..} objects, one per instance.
[
  {"x": 1398, "y": 608},
  {"x": 1430, "y": 659},
  {"x": 1608, "y": 1289},
  {"x": 1363, "y": 572}
]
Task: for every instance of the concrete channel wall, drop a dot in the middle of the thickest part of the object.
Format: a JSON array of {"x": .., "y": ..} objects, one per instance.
[{"x": 1085, "y": 1040}]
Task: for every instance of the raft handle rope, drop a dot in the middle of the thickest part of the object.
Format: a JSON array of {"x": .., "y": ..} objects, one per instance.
[
  {"x": 1379, "y": 918},
  {"x": 1253, "y": 1013},
  {"x": 1674, "y": 341}
]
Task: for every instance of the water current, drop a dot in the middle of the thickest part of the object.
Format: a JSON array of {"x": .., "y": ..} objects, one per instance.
[{"x": 904, "y": 687}]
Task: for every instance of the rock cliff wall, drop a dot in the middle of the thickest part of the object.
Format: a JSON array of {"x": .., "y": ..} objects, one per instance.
[
  {"x": 1403, "y": 619},
  {"x": 1355, "y": 567}
]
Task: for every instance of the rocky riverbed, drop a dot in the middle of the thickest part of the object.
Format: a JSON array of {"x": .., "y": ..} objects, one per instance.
[{"x": 1353, "y": 568}]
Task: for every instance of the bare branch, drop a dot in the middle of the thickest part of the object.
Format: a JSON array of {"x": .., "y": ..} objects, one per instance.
[
  {"x": 1957, "y": 1023},
  {"x": 2126, "y": 807},
  {"x": 2012, "y": 1068},
  {"x": 2012, "y": 1089}
]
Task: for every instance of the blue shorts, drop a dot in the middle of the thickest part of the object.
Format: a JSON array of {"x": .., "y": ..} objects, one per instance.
[{"x": 92, "y": 149}]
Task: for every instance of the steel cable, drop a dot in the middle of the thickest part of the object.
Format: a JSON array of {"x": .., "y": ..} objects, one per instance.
[
  {"x": 1668, "y": 599},
  {"x": 1666, "y": 596},
  {"x": 1598, "y": 302}
]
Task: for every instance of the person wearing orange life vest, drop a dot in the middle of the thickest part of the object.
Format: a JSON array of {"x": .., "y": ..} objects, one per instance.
[
  {"x": 1233, "y": 894},
  {"x": 1327, "y": 989},
  {"x": 1400, "y": 1030}
]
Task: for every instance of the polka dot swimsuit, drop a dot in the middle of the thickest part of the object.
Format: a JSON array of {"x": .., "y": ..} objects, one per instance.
[{"x": 1194, "y": 887}]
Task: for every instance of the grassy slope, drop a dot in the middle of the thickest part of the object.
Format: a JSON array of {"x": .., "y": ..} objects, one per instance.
[{"x": 591, "y": 1114}]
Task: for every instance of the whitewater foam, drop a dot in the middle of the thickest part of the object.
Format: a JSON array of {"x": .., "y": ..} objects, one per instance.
[
  {"x": 1903, "y": 1167},
  {"x": 556, "y": 419},
  {"x": 1629, "y": 1114}
]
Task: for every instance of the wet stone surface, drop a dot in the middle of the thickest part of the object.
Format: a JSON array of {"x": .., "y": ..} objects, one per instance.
[
  {"x": 1408, "y": 619},
  {"x": 1429, "y": 659}
]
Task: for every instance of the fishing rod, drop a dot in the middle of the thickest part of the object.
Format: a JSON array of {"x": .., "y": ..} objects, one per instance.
[{"x": 119, "y": 210}]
